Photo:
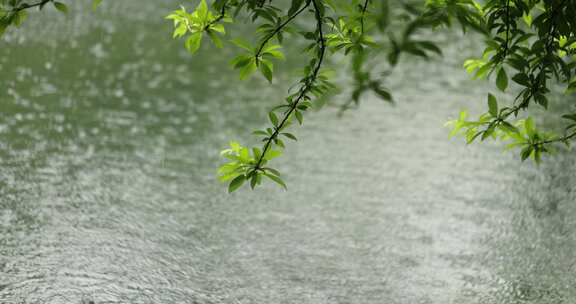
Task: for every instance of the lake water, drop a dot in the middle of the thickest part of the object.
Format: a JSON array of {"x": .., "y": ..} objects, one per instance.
[{"x": 109, "y": 141}]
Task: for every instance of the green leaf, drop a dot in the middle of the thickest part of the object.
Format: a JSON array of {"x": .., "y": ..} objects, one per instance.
[
  {"x": 290, "y": 135},
  {"x": 248, "y": 69},
  {"x": 202, "y": 10},
  {"x": 529, "y": 126},
  {"x": 570, "y": 116},
  {"x": 256, "y": 153},
  {"x": 215, "y": 39},
  {"x": 541, "y": 100},
  {"x": 522, "y": 79},
  {"x": 260, "y": 132},
  {"x": 270, "y": 47},
  {"x": 254, "y": 179},
  {"x": 472, "y": 137},
  {"x": 571, "y": 88},
  {"x": 217, "y": 27},
  {"x": 271, "y": 154},
  {"x": 61, "y": 7},
  {"x": 502, "y": 80},
  {"x": 95, "y": 4},
  {"x": 492, "y": 105},
  {"x": 431, "y": 46},
  {"x": 243, "y": 44},
  {"x": 273, "y": 118},
  {"x": 277, "y": 180},
  {"x": 508, "y": 127},
  {"x": 228, "y": 167},
  {"x": 279, "y": 142},
  {"x": 19, "y": 17},
  {"x": 526, "y": 152},
  {"x": 295, "y": 5},
  {"x": 193, "y": 42},
  {"x": 266, "y": 68},
  {"x": 236, "y": 183},
  {"x": 273, "y": 171},
  {"x": 299, "y": 116},
  {"x": 180, "y": 30},
  {"x": 240, "y": 61},
  {"x": 227, "y": 176},
  {"x": 276, "y": 54},
  {"x": 483, "y": 71},
  {"x": 382, "y": 93}
]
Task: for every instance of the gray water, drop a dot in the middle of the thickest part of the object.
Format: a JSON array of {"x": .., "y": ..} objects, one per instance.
[{"x": 109, "y": 140}]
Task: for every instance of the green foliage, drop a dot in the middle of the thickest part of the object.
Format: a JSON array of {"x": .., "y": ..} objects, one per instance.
[
  {"x": 536, "y": 40},
  {"x": 242, "y": 166},
  {"x": 532, "y": 40},
  {"x": 529, "y": 45},
  {"x": 95, "y": 4},
  {"x": 15, "y": 12},
  {"x": 194, "y": 25},
  {"x": 256, "y": 58}
]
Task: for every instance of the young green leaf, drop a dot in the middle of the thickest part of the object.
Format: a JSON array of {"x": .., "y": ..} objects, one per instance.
[
  {"x": 273, "y": 118},
  {"x": 266, "y": 68},
  {"x": 243, "y": 44},
  {"x": 277, "y": 180},
  {"x": 502, "y": 80},
  {"x": 248, "y": 69},
  {"x": 529, "y": 126},
  {"x": 299, "y": 116},
  {"x": 95, "y": 4},
  {"x": 193, "y": 42},
  {"x": 19, "y": 17},
  {"x": 215, "y": 39},
  {"x": 202, "y": 10},
  {"x": 290, "y": 135},
  {"x": 492, "y": 105}
]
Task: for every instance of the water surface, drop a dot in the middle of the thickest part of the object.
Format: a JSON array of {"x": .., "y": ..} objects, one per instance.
[{"x": 109, "y": 140}]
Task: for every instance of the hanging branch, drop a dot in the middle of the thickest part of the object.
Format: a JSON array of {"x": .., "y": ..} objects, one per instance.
[
  {"x": 279, "y": 28},
  {"x": 308, "y": 83},
  {"x": 24, "y": 6}
]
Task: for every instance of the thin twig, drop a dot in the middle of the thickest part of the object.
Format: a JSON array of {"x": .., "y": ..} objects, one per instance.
[
  {"x": 217, "y": 19},
  {"x": 27, "y": 6},
  {"x": 305, "y": 88},
  {"x": 363, "y": 15},
  {"x": 280, "y": 27}
]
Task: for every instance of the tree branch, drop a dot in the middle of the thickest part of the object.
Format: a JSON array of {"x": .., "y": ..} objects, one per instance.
[
  {"x": 309, "y": 81},
  {"x": 280, "y": 27},
  {"x": 364, "y": 8},
  {"x": 217, "y": 19},
  {"x": 27, "y": 6}
]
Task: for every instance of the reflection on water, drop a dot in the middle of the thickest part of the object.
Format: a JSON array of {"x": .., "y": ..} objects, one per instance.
[{"x": 109, "y": 135}]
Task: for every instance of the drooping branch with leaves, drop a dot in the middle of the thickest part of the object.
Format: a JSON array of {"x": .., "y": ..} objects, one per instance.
[
  {"x": 15, "y": 12},
  {"x": 534, "y": 41}
]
